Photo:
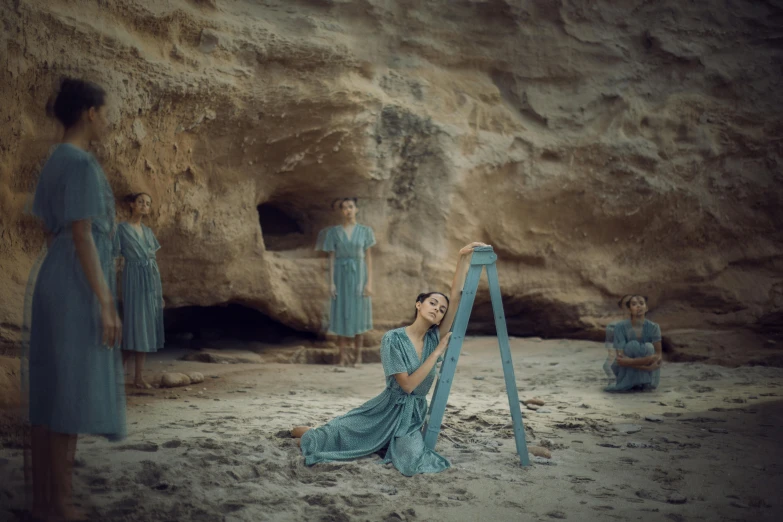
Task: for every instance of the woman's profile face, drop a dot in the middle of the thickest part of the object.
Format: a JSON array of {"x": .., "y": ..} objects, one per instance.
[
  {"x": 433, "y": 308},
  {"x": 141, "y": 205},
  {"x": 98, "y": 120},
  {"x": 348, "y": 208}
]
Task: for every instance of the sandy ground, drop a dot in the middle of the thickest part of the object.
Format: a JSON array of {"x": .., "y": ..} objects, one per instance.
[{"x": 705, "y": 446}]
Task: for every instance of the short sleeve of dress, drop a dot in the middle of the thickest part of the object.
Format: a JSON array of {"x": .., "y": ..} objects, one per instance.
[
  {"x": 619, "y": 337},
  {"x": 328, "y": 244},
  {"x": 369, "y": 238},
  {"x": 83, "y": 192},
  {"x": 655, "y": 333},
  {"x": 392, "y": 354},
  {"x": 319, "y": 241},
  {"x": 154, "y": 241}
]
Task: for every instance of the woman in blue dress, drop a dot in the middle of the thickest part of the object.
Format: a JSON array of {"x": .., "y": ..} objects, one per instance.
[
  {"x": 392, "y": 421},
  {"x": 350, "y": 273},
  {"x": 637, "y": 342},
  {"x": 75, "y": 381},
  {"x": 142, "y": 292}
]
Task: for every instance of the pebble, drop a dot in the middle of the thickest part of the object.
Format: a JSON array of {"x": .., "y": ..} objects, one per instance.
[
  {"x": 628, "y": 428},
  {"x": 539, "y": 451},
  {"x": 543, "y": 461},
  {"x": 653, "y": 418},
  {"x": 533, "y": 407},
  {"x": 536, "y": 401},
  {"x": 676, "y": 498}
]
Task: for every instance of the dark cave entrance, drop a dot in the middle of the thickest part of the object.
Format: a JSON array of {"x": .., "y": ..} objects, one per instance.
[
  {"x": 230, "y": 322},
  {"x": 281, "y": 227}
]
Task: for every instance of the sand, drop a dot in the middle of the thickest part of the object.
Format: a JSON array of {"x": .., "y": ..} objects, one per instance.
[{"x": 705, "y": 446}]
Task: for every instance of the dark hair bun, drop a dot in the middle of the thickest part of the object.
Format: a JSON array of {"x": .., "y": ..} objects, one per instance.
[
  {"x": 132, "y": 197},
  {"x": 74, "y": 97}
]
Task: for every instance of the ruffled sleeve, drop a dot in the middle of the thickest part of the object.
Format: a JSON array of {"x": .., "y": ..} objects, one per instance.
[
  {"x": 369, "y": 238},
  {"x": 154, "y": 245},
  {"x": 655, "y": 332},
  {"x": 329, "y": 240}
]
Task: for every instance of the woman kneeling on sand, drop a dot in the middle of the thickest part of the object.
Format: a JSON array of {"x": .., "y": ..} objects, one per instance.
[{"x": 393, "y": 420}]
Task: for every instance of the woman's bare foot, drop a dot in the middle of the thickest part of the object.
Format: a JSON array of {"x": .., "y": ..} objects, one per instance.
[
  {"x": 144, "y": 385},
  {"x": 298, "y": 431}
]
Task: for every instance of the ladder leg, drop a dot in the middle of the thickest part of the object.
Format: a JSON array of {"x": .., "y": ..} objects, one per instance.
[
  {"x": 441, "y": 394},
  {"x": 508, "y": 367}
]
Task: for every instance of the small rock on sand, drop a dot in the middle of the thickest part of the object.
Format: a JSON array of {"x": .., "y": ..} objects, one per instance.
[
  {"x": 627, "y": 428},
  {"x": 676, "y": 498},
  {"x": 173, "y": 380},
  {"x": 196, "y": 377},
  {"x": 533, "y": 407},
  {"x": 543, "y": 461},
  {"x": 535, "y": 401},
  {"x": 539, "y": 451}
]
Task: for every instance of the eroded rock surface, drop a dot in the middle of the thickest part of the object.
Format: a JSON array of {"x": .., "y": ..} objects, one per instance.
[{"x": 600, "y": 148}]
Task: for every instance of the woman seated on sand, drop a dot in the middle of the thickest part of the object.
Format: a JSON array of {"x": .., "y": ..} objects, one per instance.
[
  {"x": 637, "y": 342},
  {"x": 392, "y": 421}
]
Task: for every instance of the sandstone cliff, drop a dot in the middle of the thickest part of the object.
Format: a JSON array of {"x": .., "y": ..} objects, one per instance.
[{"x": 600, "y": 148}]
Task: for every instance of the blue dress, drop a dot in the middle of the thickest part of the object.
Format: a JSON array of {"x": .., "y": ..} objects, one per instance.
[
  {"x": 625, "y": 340},
  {"x": 142, "y": 292},
  {"x": 76, "y": 384},
  {"x": 391, "y": 421},
  {"x": 350, "y": 313}
]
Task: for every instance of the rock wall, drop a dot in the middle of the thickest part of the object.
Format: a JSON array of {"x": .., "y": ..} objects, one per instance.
[{"x": 601, "y": 148}]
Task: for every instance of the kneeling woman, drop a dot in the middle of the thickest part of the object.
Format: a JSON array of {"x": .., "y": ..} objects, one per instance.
[
  {"x": 393, "y": 420},
  {"x": 637, "y": 342}
]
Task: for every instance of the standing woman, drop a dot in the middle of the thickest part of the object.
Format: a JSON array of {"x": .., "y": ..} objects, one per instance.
[
  {"x": 350, "y": 273},
  {"x": 75, "y": 376},
  {"x": 142, "y": 292}
]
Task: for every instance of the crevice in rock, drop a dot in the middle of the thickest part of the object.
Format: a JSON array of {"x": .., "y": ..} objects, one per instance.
[
  {"x": 528, "y": 316},
  {"x": 192, "y": 325},
  {"x": 281, "y": 230}
]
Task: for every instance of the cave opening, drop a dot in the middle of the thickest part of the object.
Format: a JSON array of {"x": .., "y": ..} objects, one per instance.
[
  {"x": 281, "y": 228},
  {"x": 235, "y": 322}
]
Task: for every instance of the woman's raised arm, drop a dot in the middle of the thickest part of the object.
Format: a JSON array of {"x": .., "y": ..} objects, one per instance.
[{"x": 463, "y": 264}]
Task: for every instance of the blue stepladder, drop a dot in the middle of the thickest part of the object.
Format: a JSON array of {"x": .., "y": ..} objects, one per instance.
[{"x": 481, "y": 257}]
